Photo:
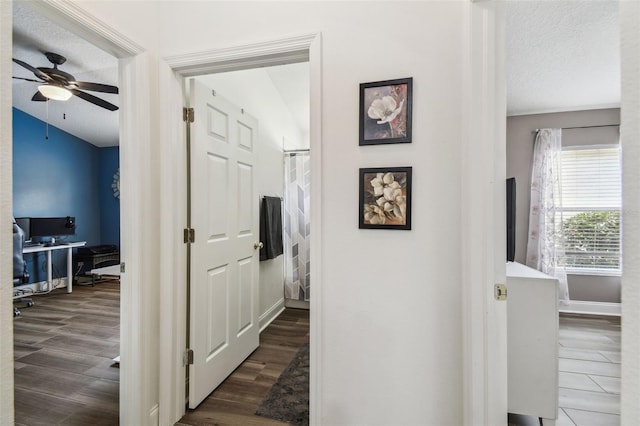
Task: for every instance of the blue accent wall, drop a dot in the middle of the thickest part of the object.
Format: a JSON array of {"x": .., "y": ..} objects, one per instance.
[
  {"x": 109, "y": 205},
  {"x": 57, "y": 177}
]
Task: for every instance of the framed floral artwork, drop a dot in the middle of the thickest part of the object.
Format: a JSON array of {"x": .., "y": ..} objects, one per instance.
[
  {"x": 385, "y": 112},
  {"x": 385, "y": 198}
]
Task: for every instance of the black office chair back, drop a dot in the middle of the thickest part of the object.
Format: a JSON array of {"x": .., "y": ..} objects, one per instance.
[{"x": 20, "y": 274}]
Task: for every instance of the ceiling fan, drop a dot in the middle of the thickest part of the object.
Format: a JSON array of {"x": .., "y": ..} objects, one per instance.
[{"x": 59, "y": 85}]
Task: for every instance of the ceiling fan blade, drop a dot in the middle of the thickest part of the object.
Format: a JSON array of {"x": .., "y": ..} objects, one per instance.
[
  {"x": 34, "y": 70},
  {"x": 95, "y": 87},
  {"x": 39, "y": 97},
  {"x": 94, "y": 100},
  {"x": 28, "y": 79}
]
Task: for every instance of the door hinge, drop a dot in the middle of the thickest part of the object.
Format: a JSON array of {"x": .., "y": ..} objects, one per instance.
[
  {"x": 122, "y": 268},
  {"x": 189, "y": 235},
  {"x": 188, "y": 115},
  {"x": 500, "y": 292},
  {"x": 187, "y": 357}
]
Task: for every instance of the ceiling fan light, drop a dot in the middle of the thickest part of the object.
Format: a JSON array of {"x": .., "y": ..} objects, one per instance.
[{"x": 56, "y": 93}]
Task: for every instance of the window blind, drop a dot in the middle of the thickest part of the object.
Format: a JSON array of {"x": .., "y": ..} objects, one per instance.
[{"x": 590, "y": 184}]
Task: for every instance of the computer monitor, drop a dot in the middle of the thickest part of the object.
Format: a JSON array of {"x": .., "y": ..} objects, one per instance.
[
  {"x": 52, "y": 226},
  {"x": 25, "y": 224}
]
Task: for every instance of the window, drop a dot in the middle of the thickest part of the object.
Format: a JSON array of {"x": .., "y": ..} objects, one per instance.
[{"x": 590, "y": 212}]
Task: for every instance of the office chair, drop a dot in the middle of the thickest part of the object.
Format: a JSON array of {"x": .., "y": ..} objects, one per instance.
[{"x": 20, "y": 274}]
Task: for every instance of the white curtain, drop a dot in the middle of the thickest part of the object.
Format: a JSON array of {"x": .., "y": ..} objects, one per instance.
[
  {"x": 545, "y": 247},
  {"x": 297, "y": 225}
]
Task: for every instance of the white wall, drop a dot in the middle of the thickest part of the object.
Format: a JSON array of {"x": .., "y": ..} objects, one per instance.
[{"x": 254, "y": 91}]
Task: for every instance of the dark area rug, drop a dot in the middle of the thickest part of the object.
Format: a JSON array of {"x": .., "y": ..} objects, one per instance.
[{"x": 288, "y": 398}]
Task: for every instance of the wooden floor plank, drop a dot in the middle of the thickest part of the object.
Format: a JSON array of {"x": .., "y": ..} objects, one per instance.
[
  {"x": 235, "y": 401},
  {"x": 37, "y": 408},
  {"x": 61, "y": 360},
  {"x": 62, "y": 349}
]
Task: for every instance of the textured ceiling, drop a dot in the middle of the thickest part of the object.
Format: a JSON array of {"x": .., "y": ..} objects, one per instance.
[
  {"x": 562, "y": 55},
  {"x": 32, "y": 36}
]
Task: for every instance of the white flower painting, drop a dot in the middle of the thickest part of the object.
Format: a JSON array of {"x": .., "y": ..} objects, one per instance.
[
  {"x": 385, "y": 198},
  {"x": 385, "y": 110}
]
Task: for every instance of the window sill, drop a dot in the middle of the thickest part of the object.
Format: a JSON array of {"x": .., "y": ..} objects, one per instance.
[{"x": 594, "y": 272}]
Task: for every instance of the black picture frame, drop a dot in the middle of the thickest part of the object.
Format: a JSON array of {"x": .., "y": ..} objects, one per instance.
[
  {"x": 385, "y": 198},
  {"x": 385, "y": 111}
]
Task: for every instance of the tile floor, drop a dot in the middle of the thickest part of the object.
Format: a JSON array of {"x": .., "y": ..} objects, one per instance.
[{"x": 589, "y": 373}]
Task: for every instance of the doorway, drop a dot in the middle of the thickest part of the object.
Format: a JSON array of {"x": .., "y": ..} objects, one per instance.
[
  {"x": 65, "y": 163},
  {"x": 580, "y": 94},
  {"x": 294, "y": 50},
  {"x": 131, "y": 64},
  {"x": 268, "y": 105}
]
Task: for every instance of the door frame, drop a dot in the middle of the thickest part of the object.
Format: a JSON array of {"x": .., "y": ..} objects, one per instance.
[
  {"x": 6, "y": 210},
  {"x": 172, "y": 72},
  {"x": 483, "y": 154},
  {"x": 136, "y": 391},
  {"x": 629, "y": 139}
]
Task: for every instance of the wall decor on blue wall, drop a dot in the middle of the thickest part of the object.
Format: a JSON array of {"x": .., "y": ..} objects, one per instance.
[
  {"x": 109, "y": 206},
  {"x": 115, "y": 184},
  {"x": 61, "y": 177}
]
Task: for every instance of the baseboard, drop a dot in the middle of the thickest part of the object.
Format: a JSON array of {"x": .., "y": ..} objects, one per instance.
[
  {"x": 40, "y": 287},
  {"x": 591, "y": 308},
  {"x": 271, "y": 314},
  {"x": 296, "y": 304}
]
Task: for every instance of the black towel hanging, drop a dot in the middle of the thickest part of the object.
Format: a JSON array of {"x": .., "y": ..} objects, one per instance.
[{"x": 271, "y": 228}]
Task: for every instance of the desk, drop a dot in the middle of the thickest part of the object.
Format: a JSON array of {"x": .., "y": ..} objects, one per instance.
[{"x": 48, "y": 249}]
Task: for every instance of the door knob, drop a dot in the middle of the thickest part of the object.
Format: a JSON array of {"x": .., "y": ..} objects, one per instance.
[{"x": 258, "y": 245}]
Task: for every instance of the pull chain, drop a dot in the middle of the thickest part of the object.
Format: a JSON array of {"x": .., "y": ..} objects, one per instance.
[{"x": 46, "y": 135}]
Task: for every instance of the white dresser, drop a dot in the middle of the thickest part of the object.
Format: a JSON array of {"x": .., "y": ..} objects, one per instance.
[{"x": 532, "y": 343}]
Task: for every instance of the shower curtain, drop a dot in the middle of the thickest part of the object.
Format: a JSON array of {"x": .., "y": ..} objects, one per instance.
[{"x": 297, "y": 179}]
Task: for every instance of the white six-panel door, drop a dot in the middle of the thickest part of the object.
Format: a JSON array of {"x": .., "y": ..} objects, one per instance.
[{"x": 224, "y": 263}]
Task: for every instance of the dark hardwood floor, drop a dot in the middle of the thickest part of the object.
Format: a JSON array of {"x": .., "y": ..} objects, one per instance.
[
  {"x": 63, "y": 350},
  {"x": 64, "y": 373},
  {"x": 235, "y": 401}
]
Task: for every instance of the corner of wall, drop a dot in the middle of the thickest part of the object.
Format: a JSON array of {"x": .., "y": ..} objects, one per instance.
[{"x": 270, "y": 314}]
